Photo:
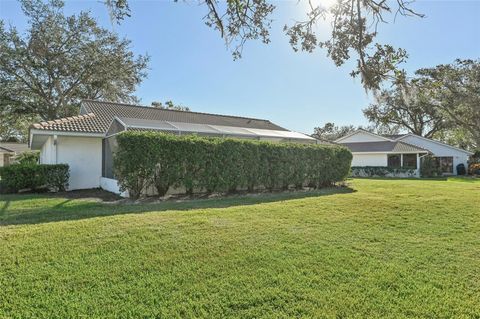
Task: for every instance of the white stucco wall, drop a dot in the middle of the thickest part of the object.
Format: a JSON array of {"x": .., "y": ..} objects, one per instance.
[
  {"x": 362, "y": 137},
  {"x": 82, "y": 154},
  {"x": 369, "y": 160},
  {"x": 47, "y": 154},
  {"x": 439, "y": 149}
]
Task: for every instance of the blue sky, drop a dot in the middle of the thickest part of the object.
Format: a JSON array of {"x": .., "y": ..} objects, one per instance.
[{"x": 191, "y": 66}]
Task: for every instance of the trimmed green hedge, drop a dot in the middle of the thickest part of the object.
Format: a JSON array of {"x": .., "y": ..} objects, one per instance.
[
  {"x": 382, "y": 171},
  {"x": 34, "y": 177},
  {"x": 162, "y": 160}
]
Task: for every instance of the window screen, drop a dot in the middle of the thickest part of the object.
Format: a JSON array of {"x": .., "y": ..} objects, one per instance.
[
  {"x": 394, "y": 160},
  {"x": 445, "y": 164},
  {"x": 410, "y": 160}
]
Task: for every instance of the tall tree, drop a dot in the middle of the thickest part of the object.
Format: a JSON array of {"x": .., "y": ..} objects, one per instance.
[
  {"x": 354, "y": 29},
  {"x": 408, "y": 106},
  {"x": 14, "y": 128},
  {"x": 169, "y": 105},
  {"x": 61, "y": 60},
  {"x": 455, "y": 90},
  {"x": 331, "y": 132}
]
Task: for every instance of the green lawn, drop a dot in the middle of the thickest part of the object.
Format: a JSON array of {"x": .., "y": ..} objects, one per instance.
[{"x": 384, "y": 248}]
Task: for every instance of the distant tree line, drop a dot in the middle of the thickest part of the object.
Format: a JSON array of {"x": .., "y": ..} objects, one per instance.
[{"x": 442, "y": 102}]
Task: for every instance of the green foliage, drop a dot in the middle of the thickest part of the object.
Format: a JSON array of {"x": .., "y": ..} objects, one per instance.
[
  {"x": 223, "y": 165},
  {"x": 380, "y": 249},
  {"x": 408, "y": 106},
  {"x": 59, "y": 60},
  {"x": 455, "y": 89},
  {"x": 476, "y": 156},
  {"x": 429, "y": 167},
  {"x": 169, "y": 105},
  {"x": 13, "y": 127},
  {"x": 354, "y": 29},
  {"x": 34, "y": 177},
  {"x": 28, "y": 158},
  {"x": 382, "y": 171}
]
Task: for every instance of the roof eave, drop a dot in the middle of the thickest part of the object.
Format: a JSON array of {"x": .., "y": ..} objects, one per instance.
[{"x": 437, "y": 142}]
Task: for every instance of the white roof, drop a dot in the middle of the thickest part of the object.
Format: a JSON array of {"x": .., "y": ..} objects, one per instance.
[{"x": 211, "y": 129}]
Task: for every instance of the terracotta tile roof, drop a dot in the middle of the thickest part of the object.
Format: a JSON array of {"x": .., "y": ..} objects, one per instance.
[
  {"x": 96, "y": 117},
  {"x": 86, "y": 123},
  {"x": 384, "y": 146}
]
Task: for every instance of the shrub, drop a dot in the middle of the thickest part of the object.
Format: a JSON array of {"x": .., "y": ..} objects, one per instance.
[
  {"x": 29, "y": 157},
  {"x": 474, "y": 169},
  {"x": 475, "y": 158},
  {"x": 382, "y": 171},
  {"x": 222, "y": 165},
  {"x": 429, "y": 167},
  {"x": 34, "y": 177},
  {"x": 56, "y": 176}
]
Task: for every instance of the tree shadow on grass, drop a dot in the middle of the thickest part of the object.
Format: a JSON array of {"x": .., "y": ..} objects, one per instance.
[
  {"x": 69, "y": 209},
  {"x": 465, "y": 179},
  {"x": 422, "y": 179}
]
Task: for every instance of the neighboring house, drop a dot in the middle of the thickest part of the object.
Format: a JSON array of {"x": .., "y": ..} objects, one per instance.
[
  {"x": 402, "y": 150},
  {"x": 87, "y": 142},
  {"x": 8, "y": 151}
]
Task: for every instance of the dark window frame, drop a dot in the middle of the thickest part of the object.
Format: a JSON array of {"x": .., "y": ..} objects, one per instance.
[
  {"x": 392, "y": 160},
  {"x": 413, "y": 160},
  {"x": 445, "y": 162}
]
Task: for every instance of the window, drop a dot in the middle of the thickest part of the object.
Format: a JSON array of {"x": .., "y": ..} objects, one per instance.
[
  {"x": 394, "y": 160},
  {"x": 410, "y": 160},
  {"x": 445, "y": 164}
]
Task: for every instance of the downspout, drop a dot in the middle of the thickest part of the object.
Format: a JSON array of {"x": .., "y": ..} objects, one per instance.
[{"x": 55, "y": 145}]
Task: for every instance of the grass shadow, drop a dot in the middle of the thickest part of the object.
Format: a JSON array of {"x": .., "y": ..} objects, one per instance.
[
  {"x": 69, "y": 209},
  {"x": 4, "y": 208},
  {"x": 422, "y": 179}
]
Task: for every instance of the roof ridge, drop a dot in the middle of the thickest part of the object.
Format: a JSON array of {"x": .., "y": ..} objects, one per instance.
[
  {"x": 159, "y": 109},
  {"x": 436, "y": 141}
]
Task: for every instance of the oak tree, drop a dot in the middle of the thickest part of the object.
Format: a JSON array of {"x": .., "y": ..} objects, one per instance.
[
  {"x": 353, "y": 35},
  {"x": 59, "y": 60}
]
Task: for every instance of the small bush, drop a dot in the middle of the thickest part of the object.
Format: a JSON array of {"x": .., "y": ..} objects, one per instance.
[
  {"x": 28, "y": 158},
  {"x": 382, "y": 171},
  {"x": 34, "y": 177},
  {"x": 474, "y": 169},
  {"x": 223, "y": 165}
]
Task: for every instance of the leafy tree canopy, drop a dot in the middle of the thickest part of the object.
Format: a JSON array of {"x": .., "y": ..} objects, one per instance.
[
  {"x": 455, "y": 90},
  {"x": 13, "y": 127},
  {"x": 60, "y": 60},
  {"x": 354, "y": 29},
  {"x": 408, "y": 106},
  {"x": 331, "y": 132},
  {"x": 442, "y": 102}
]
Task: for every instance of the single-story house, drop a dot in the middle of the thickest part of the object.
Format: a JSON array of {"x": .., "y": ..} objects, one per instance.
[
  {"x": 87, "y": 142},
  {"x": 8, "y": 151},
  {"x": 401, "y": 150}
]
